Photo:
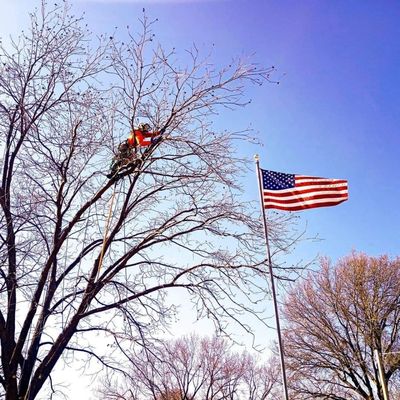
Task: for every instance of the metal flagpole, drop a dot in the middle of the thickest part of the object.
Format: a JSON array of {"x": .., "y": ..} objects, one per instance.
[
  {"x": 278, "y": 328},
  {"x": 381, "y": 374}
]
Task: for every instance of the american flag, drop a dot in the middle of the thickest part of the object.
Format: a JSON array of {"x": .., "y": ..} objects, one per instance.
[{"x": 290, "y": 192}]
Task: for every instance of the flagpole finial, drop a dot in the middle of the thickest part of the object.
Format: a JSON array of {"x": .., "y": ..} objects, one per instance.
[{"x": 256, "y": 157}]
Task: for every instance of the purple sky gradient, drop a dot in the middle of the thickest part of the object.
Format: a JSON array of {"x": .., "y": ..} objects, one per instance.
[{"x": 335, "y": 113}]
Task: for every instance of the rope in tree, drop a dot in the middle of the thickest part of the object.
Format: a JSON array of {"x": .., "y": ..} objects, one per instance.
[
  {"x": 63, "y": 281},
  {"x": 81, "y": 256},
  {"x": 106, "y": 229}
]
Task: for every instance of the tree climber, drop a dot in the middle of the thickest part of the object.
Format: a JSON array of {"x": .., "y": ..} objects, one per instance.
[
  {"x": 143, "y": 137},
  {"x": 127, "y": 150}
]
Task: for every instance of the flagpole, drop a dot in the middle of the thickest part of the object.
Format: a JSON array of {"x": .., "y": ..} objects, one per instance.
[{"x": 278, "y": 328}]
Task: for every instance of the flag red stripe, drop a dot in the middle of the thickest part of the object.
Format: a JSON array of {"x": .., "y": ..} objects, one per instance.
[
  {"x": 306, "y": 206},
  {"x": 298, "y": 192},
  {"x": 319, "y": 183}
]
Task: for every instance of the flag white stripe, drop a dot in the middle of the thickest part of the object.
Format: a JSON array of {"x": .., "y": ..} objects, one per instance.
[
  {"x": 293, "y": 195},
  {"x": 314, "y": 179}
]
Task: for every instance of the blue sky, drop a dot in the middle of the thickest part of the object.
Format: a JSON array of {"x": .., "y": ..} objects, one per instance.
[{"x": 335, "y": 113}]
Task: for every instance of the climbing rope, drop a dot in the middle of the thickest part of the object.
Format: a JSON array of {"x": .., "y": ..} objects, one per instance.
[
  {"x": 106, "y": 229},
  {"x": 63, "y": 282},
  {"x": 79, "y": 269}
]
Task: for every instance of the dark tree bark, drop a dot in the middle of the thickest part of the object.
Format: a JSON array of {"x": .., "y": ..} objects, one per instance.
[{"x": 83, "y": 255}]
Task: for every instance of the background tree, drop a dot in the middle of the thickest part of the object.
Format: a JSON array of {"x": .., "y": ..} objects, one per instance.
[
  {"x": 84, "y": 256},
  {"x": 192, "y": 368},
  {"x": 335, "y": 320}
]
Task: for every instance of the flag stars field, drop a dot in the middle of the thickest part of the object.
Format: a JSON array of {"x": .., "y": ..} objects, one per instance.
[{"x": 290, "y": 192}]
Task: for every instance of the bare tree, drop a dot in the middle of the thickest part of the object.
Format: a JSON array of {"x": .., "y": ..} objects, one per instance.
[
  {"x": 192, "y": 368},
  {"x": 335, "y": 320},
  {"x": 84, "y": 256},
  {"x": 262, "y": 381}
]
